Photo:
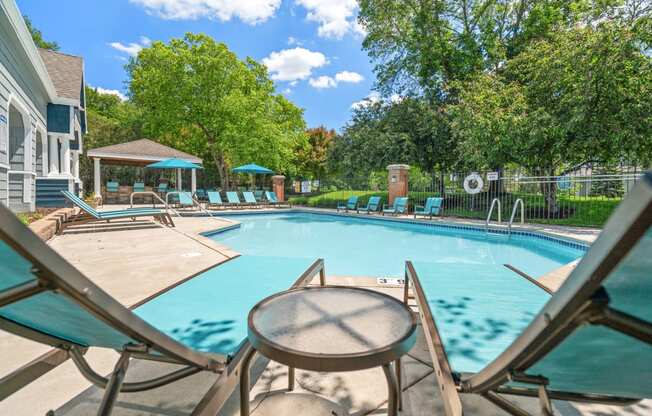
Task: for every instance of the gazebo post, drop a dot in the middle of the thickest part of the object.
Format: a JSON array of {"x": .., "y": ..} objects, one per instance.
[
  {"x": 179, "y": 185},
  {"x": 97, "y": 180},
  {"x": 193, "y": 181}
]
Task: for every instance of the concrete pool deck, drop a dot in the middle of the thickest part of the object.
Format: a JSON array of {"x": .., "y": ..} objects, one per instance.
[{"x": 133, "y": 261}]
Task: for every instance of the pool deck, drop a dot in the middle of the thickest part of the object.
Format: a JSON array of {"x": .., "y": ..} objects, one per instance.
[{"x": 134, "y": 260}]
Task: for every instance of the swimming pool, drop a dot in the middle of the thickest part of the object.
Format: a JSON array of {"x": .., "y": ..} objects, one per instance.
[{"x": 353, "y": 246}]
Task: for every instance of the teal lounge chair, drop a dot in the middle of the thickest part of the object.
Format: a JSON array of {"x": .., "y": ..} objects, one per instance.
[
  {"x": 89, "y": 214},
  {"x": 185, "y": 200},
  {"x": 234, "y": 199},
  {"x": 400, "y": 207},
  {"x": 351, "y": 204},
  {"x": 373, "y": 205},
  {"x": 432, "y": 207},
  {"x": 214, "y": 200},
  {"x": 45, "y": 299},
  {"x": 112, "y": 190},
  {"x": 260, "y": 195},
  {"x": 200, "y": 194},
  {"x": 250, "y": 199},
  {"x": 162, "y": 189},
  {"x": 140, "y": 187},
  {"x": 273, "y": 200},
  {"x": 591, "y": 341}
]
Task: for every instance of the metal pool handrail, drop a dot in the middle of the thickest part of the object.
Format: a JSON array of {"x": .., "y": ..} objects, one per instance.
[
  {"x": 154, "y": 195},
  {"x": 494, "y": 202},
  {"x": 511, "y": 219}
]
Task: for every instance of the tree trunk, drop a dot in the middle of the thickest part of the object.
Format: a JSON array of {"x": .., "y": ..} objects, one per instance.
[
  {"x": 549, "y": 191},
  {"x": 222, "y": 171}
]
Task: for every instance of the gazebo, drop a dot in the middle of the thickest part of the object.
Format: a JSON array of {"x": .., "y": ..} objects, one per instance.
[{"x": 138, "y": 153}]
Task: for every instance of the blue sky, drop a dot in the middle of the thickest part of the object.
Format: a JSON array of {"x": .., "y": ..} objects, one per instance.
[{"x": 312, "y": 47}]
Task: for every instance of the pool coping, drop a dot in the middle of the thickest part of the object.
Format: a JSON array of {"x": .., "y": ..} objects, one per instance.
[{"x": 565, "y": 241}]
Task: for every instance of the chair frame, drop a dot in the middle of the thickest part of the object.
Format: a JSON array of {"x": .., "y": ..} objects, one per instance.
[
  {"x": 84, "y": 217},
  {"x": 393, "y": 209},
  {"x": 54, "y": 273},
  {"x": 346, "y": 206},
  {"x": 368, "y": 210},
  {"x": 430, "y": 214},
  {"x": 573, "y": 305}
]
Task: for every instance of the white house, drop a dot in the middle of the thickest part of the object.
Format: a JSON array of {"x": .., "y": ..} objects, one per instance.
[{"x": 42, "y": 117}]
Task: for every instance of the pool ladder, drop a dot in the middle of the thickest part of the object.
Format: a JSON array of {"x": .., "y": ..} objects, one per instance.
[
  {"x": 495, "y": 202},
  {"x": 511, "y": 219}
]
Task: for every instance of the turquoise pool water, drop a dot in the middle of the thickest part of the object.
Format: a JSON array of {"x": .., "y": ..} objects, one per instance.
[{"x": 363, "y": 247}]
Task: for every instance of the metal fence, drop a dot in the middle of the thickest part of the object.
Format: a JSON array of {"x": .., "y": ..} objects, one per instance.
[{"x": 583, "y": 197}]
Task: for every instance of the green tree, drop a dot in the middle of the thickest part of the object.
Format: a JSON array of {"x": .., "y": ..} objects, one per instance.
[
  {"x": 37, "y": 37},
  {"x": 314, "y": 158},
  {"x": 579, "y": 96},
  {"x": 195, "y": 94}
]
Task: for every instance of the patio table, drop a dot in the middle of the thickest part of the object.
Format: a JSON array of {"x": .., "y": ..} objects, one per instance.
[{"x": 331, "y": 329}]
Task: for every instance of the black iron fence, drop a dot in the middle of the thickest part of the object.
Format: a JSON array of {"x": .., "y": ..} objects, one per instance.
[{"x": 583, "y": 197}]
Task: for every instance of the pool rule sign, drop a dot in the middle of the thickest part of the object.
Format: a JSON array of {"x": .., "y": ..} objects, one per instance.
[{"x": 492, "y": 176}]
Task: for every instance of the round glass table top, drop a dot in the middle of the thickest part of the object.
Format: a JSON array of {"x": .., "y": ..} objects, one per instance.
[{"x": 331, "y": 328}]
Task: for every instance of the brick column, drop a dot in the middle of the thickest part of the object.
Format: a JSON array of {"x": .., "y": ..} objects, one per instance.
[
  {"x": 278, "y": 186},
  {"x": 397, "y": 181}
]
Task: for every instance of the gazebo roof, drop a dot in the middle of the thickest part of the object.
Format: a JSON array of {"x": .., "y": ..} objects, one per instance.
[{"x": 139, "y": 152}]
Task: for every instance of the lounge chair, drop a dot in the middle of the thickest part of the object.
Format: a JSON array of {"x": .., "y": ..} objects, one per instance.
[
  {"x": 112, "y": 190},
  {"x": 591, "y": 341},
  {"x": 250, "y": 199},
  {"x": 260, "y": 196},
  {"x": 400, "y": 207},
  {"x": 200, "y": 194},
  {"x": 432, "y": 207},
  {"x": 214, "y": 200},
  {"x": 45, "y": 299},
  {"x": 234, "y": 199},
  {"x": 162, "y": 189},
  {"x": 273, "y": 200},
  {"x": 373, "y": 205},
  {"x": 185, "y": 200},
  {"x": 140, "y": 187},
  {"x": 89, "y": 214},
  {"x": 351, "y": 204}
]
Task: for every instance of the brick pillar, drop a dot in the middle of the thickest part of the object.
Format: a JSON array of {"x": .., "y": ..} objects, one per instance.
[
  {"x": 278, "y": 186},
  {"x": 397, "y": 181}
]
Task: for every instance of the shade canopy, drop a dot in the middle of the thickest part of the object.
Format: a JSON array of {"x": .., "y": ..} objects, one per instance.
[
  {"x": 174, "y": 164},
  {"x": 252, "y": 168}
]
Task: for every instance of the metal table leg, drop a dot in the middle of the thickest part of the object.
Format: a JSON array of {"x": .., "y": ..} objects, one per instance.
[
  {"x": 399, "y": 383},
  {"x": 244, "y": 383},
  {"x": 290, "y": 378},
  {"x": 392, "y": 408}
]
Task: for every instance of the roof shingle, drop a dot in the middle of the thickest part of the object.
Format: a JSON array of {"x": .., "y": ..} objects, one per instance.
[
  {"x": 143, "y": 149},
  {"x": 66, "y": 72}
]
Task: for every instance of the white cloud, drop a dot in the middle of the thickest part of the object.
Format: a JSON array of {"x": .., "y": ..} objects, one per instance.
[
  {"x": 374, "y": 98},
  {"x": 348, "y": 76},
  {"x": 325, "y": 81},
  {"x": 132, "y": 48},
  {"x": 322, "y": 82},
  {"x": 294, "y": 41},
  {"x": 336, "y": 18},
  {"x": 117, "y": 93},
  {"x": 249, "y": 11},
  {"x": 293, "y": 64}
]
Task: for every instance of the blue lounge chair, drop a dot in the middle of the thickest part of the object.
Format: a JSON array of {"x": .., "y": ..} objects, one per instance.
[
  {"x": 185, "y": 200},
  {"x": 162, "y": 189},
  {"x": 260, "y": 195},
  {"x": 373, "y": 205},
  {"x": 140, "y": 187},
  {"x": 272, "y": 199},
  {"x": 400, "y": 207},
  {"x": 214, "y": 199},
  {"x": 200, "y": 194},
  {"x": 112, "y": 190},
  {"x": 590, "y": 341},
  {"x": 351, "y": 204},
  {"x": 89, "y": 214},
  {"x": 234, "y": 199},
  {"x": 250, "y": 199},
  {"x": 45, "y": 299},
  {"x": 432, "y": 207}
]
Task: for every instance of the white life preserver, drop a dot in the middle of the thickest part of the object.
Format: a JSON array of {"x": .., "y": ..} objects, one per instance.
[{"x": 479, "y": 184}]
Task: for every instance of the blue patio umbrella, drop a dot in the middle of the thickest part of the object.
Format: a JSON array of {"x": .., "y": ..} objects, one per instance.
[
  {"x": 253, "y": 169},
  {"x": 175, "y": 163}
]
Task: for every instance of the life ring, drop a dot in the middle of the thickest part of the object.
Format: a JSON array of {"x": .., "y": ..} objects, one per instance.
[{"x": 469, "y": 180}]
